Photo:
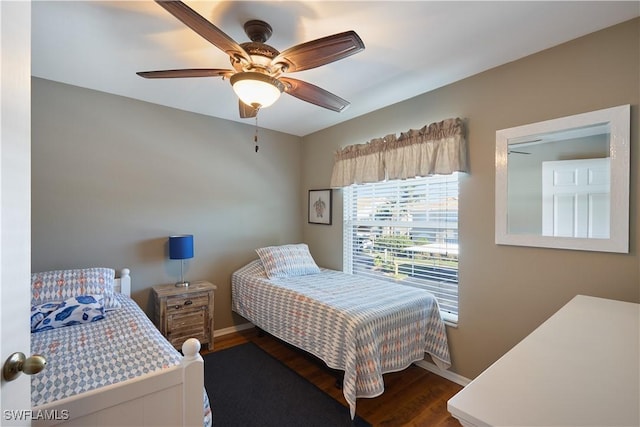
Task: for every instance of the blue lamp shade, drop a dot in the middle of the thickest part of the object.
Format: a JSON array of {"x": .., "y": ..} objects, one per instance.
[{"x": 181, "y": 246}]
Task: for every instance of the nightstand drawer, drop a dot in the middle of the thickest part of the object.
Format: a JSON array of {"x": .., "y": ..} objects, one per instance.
[
  {"x": 187, "y": 302},
  {"x": 192, "y": 324},
  {"x": 187, "y": 323}
]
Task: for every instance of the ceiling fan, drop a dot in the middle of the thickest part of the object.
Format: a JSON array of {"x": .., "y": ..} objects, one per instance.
[{"x": 257, "y": 74}]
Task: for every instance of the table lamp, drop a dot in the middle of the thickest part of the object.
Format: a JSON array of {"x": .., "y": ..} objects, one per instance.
[{"x": 181, "y": 247}]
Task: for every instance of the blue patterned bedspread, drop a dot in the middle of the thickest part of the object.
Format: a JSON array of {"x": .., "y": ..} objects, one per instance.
[
  {"x": 363, "y": 326},
  {"x": 84, "y": 357}
]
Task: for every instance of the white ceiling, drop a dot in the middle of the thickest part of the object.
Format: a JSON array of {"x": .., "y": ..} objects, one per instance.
[{"x": 411, "y": 48}]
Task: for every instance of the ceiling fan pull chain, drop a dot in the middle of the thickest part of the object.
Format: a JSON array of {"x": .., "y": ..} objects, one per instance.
[{"x": 255, "y": 137}]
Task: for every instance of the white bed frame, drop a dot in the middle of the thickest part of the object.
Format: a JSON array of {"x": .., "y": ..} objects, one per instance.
[{"x": 170, "y": 397}]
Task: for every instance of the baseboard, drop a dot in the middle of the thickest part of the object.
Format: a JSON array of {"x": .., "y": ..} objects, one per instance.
[
  {"x": 429, "y": 366},
  {"x": 451, "y": 376},
  {"x": 232, "y": 329}
]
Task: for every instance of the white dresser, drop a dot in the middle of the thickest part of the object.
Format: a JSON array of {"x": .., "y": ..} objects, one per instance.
[{"x": 581, "y": 367}]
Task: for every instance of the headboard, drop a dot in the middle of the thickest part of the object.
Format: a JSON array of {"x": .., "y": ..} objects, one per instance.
[{"x": 122, "y": 284}]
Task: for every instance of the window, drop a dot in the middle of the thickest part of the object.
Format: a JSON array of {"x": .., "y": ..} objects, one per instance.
[{"x": 406, "y": 231}]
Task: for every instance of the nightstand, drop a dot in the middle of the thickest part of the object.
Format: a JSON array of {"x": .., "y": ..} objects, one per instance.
[{"x": 185, "y": 312}]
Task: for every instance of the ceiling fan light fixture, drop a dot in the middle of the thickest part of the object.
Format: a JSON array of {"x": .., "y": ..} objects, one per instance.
[
  {"x": 257, "y": 71},
  {"x": 256, "y": 89}
]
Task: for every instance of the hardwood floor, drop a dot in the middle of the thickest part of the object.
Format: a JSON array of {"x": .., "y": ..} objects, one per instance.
[{"x": 413, "y": 397}]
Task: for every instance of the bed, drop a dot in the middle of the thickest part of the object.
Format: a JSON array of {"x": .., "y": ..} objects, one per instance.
[
  {"x": 358, "y": 325},
  {"x": 110, "y": 365}
]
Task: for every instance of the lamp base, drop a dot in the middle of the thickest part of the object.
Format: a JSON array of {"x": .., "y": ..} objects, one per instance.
[{"x": 182, "y": 284}]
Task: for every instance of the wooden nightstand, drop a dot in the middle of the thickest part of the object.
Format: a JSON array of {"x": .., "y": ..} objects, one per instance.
[{"x": 185, "y": 312}]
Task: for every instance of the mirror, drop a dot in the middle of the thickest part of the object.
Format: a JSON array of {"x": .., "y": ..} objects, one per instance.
[{"x": 564, "y": 183}]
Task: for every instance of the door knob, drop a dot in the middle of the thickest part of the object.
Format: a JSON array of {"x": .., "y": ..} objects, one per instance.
[{"x": 18, "y": 362}]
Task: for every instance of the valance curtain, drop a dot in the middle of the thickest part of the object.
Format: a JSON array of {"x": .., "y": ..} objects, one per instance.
[{"x": 439, "y": 148}]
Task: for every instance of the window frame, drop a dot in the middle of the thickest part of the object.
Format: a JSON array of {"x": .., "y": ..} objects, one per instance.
[{"x": 405, "y": 189}]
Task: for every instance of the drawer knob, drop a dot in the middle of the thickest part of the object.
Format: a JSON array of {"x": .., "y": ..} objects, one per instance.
[{"x": 188, "y": 302}]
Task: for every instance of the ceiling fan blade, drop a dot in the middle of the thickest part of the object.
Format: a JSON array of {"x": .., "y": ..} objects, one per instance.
[
  {"x": 319, "y": 52},
  {"x": 191, "y": 72},
  {"x": 205, "y": 28},
  {"x": 313, "y": 94},
  {"x": 247, "y": 111}
]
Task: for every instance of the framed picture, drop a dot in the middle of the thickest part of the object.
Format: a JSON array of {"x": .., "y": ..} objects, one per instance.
[{"x": 320, "y": 206}]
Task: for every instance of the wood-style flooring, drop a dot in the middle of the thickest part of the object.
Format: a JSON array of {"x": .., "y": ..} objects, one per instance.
[{"x": 413, "y": 397}]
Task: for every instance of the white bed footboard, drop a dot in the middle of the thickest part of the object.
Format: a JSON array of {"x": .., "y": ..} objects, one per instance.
[{"x": 171, "y": 397}]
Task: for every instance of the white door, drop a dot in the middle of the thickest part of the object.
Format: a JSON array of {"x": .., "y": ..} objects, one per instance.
[
  {"x": 15, "y": 202},
  {"x": 576, "y": 198}
]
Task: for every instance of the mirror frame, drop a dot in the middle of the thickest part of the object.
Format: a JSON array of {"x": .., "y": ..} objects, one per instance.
[{"x": 619, "y": 119}]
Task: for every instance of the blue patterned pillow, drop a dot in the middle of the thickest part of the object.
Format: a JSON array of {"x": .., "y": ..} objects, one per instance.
[
  {"x": 39, "y": 312},
  {"x": 73, "y": 311},
  {"x": 287, "y": 261}
]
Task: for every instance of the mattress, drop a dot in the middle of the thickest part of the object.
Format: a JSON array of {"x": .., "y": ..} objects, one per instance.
[
  {"x": 122, "y": 346},
  {"x": 362, "y": 326}
]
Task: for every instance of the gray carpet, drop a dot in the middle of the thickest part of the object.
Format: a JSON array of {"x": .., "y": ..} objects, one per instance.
[{"x": 248, "y": 387}]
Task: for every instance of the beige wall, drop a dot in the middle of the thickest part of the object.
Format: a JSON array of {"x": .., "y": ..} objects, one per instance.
[
  {"x": 505, "y": 291},
  {"x": 113, "y": 177}
]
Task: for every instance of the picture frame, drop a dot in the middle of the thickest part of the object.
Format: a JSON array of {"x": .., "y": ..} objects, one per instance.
[{"x": 320, "y": 209}]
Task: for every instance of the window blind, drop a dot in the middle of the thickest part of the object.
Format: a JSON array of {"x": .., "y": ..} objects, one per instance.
[{"x": 406, "y": 231}]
